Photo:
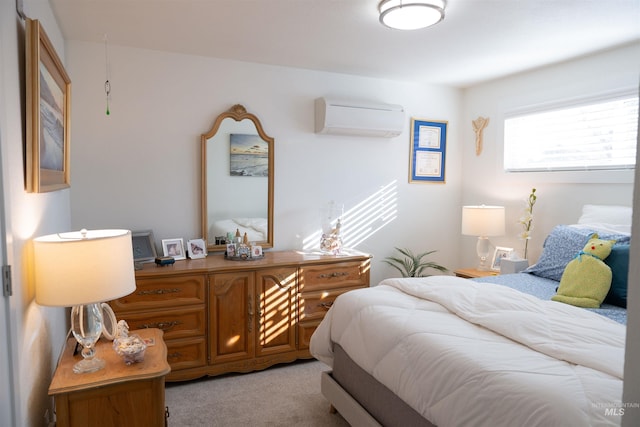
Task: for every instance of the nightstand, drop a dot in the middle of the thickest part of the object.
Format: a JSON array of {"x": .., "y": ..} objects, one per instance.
[
  {"x": 470, "y": 273},
  {"x": 117, "y": 395}
]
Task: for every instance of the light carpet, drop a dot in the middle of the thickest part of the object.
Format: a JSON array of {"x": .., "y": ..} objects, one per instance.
[{"x": 283, "y": 395}]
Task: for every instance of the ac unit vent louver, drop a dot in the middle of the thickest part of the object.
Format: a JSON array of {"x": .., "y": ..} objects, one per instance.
[{"x": 340, "y": 117}]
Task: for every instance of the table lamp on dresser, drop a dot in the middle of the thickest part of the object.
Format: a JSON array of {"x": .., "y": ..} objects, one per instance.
[{"x": 83, "y": 269}]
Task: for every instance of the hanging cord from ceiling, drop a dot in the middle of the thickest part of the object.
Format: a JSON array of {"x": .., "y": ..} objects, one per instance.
[{"x": 107, "y": 83}]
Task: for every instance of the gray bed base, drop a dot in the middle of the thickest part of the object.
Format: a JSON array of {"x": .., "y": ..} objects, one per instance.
[
  {"x": 346, "y": 405},
  {"x": 362, "y": 400}
]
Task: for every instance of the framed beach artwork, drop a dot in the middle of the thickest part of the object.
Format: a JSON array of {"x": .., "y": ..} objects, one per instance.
[
  {"x": 48, "y": 99},
  {"x": 428, "y": 151},
  {"x": 248, "y": 155}
]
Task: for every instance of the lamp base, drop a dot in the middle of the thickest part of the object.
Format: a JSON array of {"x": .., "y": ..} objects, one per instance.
[
  {"x": 482, "y": 249},
  {"x": 86, "y": 326},
  {"x": 86, "y": 366}
]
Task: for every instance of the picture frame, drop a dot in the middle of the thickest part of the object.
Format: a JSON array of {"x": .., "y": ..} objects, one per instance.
[
  {"x": 144, "y": 246},
  {"x": 174, "y": 248},
  {"x": 48, "y": 102},
  {"x": 243, "y": 252},
  {"x": 427, "y": 158},
  {"x": 498, "y": 255},
  {"x": 256, "y": 251},
  {"x": 231, "y": 250},
  {"x": 196, "y": 248}
]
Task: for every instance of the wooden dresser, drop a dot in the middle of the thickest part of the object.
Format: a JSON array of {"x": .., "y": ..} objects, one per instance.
[{"x": 222, "y": 316}]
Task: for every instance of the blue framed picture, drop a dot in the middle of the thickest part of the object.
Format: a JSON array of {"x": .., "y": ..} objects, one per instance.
[{"x": 428, "y": 151}]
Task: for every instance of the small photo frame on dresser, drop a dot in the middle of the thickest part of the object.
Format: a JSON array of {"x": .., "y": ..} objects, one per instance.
[
  {"x": 231, "y": 250},
  {"x": 173, "y": 248},
  {"x": 196, "y": 248}
]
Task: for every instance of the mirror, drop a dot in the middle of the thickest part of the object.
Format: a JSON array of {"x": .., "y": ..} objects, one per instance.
[{"x": 237, "y": 180}]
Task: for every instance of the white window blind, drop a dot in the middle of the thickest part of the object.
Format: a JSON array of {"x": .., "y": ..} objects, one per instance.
[{"x": 592, "y": 135}]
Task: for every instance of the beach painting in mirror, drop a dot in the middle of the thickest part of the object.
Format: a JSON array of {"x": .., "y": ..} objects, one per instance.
[{"x": 249, "y": 155}]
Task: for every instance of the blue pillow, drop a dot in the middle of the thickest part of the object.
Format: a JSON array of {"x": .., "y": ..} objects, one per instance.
[
  {"x": 561, "y": 246},
  {"x": 618, "y": 261}
]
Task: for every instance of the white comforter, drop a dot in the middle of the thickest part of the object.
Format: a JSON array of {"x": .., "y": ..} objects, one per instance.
[{"x": 477, "y": 354}]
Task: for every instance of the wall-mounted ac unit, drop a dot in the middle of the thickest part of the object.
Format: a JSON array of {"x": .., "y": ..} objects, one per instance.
[{"x": 341, "y": 117}]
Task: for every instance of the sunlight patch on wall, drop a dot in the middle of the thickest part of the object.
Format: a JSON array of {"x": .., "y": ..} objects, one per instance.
[{"x": 364, "y": 219}]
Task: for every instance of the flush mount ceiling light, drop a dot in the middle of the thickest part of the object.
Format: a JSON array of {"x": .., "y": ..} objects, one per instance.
[{"x": 411, "y": 14}]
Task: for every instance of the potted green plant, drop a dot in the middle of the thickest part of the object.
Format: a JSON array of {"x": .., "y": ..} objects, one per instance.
[{"x": 413, "y": 265}]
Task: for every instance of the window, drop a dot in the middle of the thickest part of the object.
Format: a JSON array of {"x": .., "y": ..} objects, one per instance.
[{"x": 590, "y": 135}]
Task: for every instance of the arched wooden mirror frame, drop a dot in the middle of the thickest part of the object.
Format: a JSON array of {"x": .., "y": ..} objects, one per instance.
[{"x": 237, "y": 113}]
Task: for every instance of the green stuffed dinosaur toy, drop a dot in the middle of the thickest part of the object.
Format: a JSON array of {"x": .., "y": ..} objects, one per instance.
[{"x": 586, "y": 279}]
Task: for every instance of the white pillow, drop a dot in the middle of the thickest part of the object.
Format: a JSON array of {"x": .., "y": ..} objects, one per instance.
[
  {"x": 605, "y": 228},
  {"x": 606, "y": 214}
]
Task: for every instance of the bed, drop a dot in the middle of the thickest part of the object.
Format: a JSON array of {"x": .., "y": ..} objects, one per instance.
[{"x": 495, "y": 351}]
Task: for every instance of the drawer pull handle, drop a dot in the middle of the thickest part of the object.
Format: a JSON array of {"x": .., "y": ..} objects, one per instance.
[
  {"x": 326, "y": 305},
  {"x": 165, "y": 326},
  {"x": 250, "y": 317},
  {"x": 332, "y": 275},
  {"x": 175, "y": 355},
  {"x": 159, "y": 291}
]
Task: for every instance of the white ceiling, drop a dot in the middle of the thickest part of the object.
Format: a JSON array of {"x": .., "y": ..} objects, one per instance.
[{"x": 478, "y": 40}]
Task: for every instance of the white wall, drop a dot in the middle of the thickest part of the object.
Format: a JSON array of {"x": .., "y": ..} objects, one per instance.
[
  {"x": 36, "y": 333},
  {"x": 139, "y": 167},
  {"x": 559, "y": 201}
]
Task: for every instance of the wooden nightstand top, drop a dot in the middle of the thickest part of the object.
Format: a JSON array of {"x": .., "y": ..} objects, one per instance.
[
  {"x": 154, "y": 365},
  {"x": 470, "y": 273}
]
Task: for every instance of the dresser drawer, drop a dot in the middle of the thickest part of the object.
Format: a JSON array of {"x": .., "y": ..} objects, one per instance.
[
  {"x": 314, "y": 305},
  {"x": 186, "y": 353},
  {"x": 337, "y": 275},
  {"x": 305, "y": 331},
  {"x": 163, "y": 292},
  {"x": 176, "y": 323}
]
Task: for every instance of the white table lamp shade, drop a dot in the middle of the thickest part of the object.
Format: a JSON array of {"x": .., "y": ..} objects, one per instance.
[
  {"x": 483, "y": 220},
  {"x": 75, "y": 268}
]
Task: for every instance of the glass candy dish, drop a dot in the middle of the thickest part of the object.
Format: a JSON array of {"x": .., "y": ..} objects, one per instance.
[{"x": 131, "y": 348}]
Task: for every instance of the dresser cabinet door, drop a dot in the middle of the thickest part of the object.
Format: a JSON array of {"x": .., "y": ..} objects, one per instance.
[
  {"x": 232, "y": 316},
  {"x": 276, "y": 310}
]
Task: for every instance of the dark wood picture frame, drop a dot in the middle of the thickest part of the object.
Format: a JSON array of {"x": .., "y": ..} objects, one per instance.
[{"x": 48, "y": 100}]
